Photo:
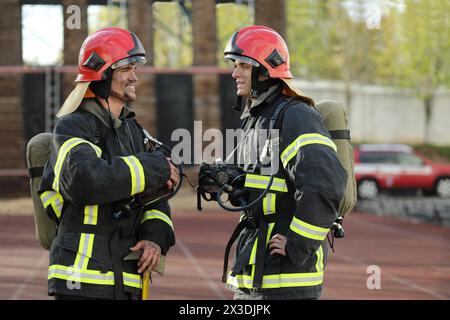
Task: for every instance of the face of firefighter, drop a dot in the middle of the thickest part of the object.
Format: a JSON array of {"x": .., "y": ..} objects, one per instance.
[
  {"x": 123, "y": 83},
  {"x": 243, "y": 75}
]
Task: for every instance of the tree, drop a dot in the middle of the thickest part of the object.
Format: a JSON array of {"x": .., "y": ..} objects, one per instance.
[
  {"x": 330, "y": 40},
  {"x": 425, "y": 50}
]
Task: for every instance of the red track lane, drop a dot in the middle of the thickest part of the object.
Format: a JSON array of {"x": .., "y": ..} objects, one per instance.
[{"x": 414, "y": 259}]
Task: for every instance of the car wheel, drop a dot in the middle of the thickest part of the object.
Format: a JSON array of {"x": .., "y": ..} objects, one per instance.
[
  {"x": 443, "y": 188},
  {"x": 368, "y": 189}
]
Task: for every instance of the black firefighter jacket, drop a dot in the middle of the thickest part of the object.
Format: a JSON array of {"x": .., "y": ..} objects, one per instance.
[
  {"x": 94, "y": 168},
  {"x": 302, "y": 203}
]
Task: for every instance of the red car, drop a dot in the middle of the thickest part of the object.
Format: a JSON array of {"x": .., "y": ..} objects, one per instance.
[{"x": 397, "y": 166}]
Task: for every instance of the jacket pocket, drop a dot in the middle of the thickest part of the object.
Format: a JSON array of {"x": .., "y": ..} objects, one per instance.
[{"x": 77, "y": 250}]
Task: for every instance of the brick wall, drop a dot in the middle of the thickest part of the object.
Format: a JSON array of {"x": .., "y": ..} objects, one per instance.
[{"x": 12, "y": 144}]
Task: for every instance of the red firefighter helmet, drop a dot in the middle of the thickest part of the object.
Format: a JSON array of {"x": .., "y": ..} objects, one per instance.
[
  {"x": 107, "y": 48},
  {"x": 260, "y": 45},
  {"x": 263, "y": 45}
]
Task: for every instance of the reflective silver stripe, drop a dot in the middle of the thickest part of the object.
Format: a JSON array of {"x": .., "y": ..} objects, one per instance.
[
  {"x": 79, "y": 275},
  {"x": 132, "y": 280},
  {"x": 137, "y": 174},
  {"x": 92, "y": 276},
  {"x": 58, "y": 204},
  {"x": 294, "y": 280},
  {"x": 84, "y": 250},
  {"x": 319, "y": 263},
  {"x": 54, "y": 199},
  {"x": 269, "y": 203},
  {"x": 308, "y": 230},
  {"x": 46, "y": 196},
  {"x": 261, "y": 182},
  {"x": 156, "y": 214},
  {"x": 303, "y": 140},
  {"x": 283, "y": 280},
  {"x": 90, "y": 214}
]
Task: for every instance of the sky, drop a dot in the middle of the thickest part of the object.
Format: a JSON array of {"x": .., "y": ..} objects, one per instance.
[
  {"x": 42, "y": 37},
  {"x": 42, "y": 32}
]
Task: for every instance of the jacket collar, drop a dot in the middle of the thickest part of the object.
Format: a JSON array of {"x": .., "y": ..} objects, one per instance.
[
  {"x": 264, "y": 98},
  {"x": 92, "y": 106}
]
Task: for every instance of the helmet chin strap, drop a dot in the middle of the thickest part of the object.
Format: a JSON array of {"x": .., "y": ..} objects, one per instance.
[
  {"x": 260, "y": 86},
  {"x": 102, "y": 88},
  {"x": 238, "y": 103}
]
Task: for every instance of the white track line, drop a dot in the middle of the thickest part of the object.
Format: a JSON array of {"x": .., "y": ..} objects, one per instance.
[
  {"x": 31, "y": 275},
  {"x": 397, "y": 279},
  {"x": 201, "y": 271},
  {"x": 439, "y": 240}
]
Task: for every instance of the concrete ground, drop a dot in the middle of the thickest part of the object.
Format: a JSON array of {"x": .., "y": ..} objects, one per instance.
[{"x": 413, "y": 259}]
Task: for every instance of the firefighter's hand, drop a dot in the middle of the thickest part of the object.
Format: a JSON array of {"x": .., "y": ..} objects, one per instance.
[
  {"x": 174, "y": 176},
  {"x": 278, "y": 244},
  {"x": 151, "y": 252}
]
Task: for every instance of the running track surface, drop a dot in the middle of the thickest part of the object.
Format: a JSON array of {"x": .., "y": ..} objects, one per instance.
[{"x": 414, "y": 259}]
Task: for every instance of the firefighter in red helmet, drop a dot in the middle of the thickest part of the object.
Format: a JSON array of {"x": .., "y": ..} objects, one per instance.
[
  {"x": 99, "y": 168},
  {"x": 281, "y": 249}
]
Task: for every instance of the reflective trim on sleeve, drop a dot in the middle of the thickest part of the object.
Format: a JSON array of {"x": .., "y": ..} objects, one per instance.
[
  {"x": 156, "y": 214},
  {"x": 269, "y": 201},
  {"x": 137, "y": 174},
  {"x": 62, "y": 153},
  {"x": 261, "y": 182},
  {"x": 55, "y": 200},
  {"x": 283, "y": 280},
  {"x": 303, "y": 140},
  {"x": 308, "y": 230},
  {"x": 91, "y": 214},
  {"x": 84, "y": 250},
  {"x": 132, "y": 280},
  {"x": 319, "y": 263}
]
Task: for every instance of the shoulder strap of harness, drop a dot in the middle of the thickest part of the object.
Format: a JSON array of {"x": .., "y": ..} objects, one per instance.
[{"x": 95, "y": 129}]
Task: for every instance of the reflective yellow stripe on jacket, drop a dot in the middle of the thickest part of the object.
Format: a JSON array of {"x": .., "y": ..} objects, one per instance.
[
  {"x": 55, "y": 200},
  {"x": 84, "y": 251},
  {"x": 269, "y": 202},
  {"x": 283, "y": 280},
  {"x": 75, "y": 275},
  {"x": 308, "y": 230},
  {"x": 63, "y": 151},
  {"x": 137, "y": 174},
  {"x": 90, "y": 214},
  {"x": 156, "y": 214},
  {"x": 320, "y": 260},
  {"x": 261, "y": 182},
  {"x": 303, "y": 140}
]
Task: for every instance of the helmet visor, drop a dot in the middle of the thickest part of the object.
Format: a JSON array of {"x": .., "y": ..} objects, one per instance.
[
  {"x": 123, "y": 62},
  {"x": 235, "y": 57}
]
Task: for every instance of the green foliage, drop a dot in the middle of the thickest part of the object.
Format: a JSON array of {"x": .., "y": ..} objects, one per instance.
[
  {"x": 425, "y": 46},
  {"x": 230, "y": 17},
  {"x": 106, "y": 16},
  {"x": 172, "y": 36},
  {"x": 309, "y": 38},
  {"x": 327, "y": 39},
  {"x": 435, "y": 153}
]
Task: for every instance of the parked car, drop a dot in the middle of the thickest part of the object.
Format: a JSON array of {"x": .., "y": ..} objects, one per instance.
[{"x": 398, "y": 166}]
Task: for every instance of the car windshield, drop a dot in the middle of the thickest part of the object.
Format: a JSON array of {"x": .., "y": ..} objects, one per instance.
[
  {"x": 408, "y": 158},
  {"x": 389, "y": 157},
  {"x": 378, "y": 157}
]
